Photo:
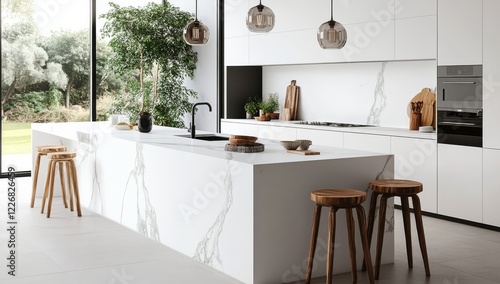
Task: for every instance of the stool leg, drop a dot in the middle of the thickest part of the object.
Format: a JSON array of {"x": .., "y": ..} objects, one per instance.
[
  {"x": 331, "y": 244},
  {"x": 352, "y": 244},
  {"x": 47, "y": 184},
  {"x": 75, "y": 186},
  {"x": 35, "y": 179},
  {"x": 364, "y": 241},
  {"x": 421, "y": 235},
  {"x": 63, "y": 188},
  {"x": 407, "y": 227},
  {"x": 371, "y": 221},
  {"x": 380, "y": 234},
  {"x": 51, "y": 187},
  {"x": 312, "y": 246},
  {"x": 70, "y": 185}
]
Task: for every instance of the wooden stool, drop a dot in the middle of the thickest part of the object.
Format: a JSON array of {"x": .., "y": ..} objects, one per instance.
[
  {"x": 336, "y": 199},
  {"x": 43, "y": 151},
  {"x": 403, "y": 189},
  {"x": 61, "y": 159}
]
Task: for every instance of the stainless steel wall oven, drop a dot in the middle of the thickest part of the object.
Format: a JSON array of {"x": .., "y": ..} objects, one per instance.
[{"x": 460, "y": 105}]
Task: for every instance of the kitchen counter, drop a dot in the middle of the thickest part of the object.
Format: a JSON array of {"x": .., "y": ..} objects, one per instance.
[
  {"x": 376, "y": 130},
  {"x": 247, "y": 215}
]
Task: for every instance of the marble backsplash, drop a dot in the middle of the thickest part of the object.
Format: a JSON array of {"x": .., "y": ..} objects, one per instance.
[{"x": 376, "y": 93}]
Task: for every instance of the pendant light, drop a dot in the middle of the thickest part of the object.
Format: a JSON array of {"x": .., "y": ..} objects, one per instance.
[
  {"x": 260, "y": 19},
  {"x": 196, "y": 33},
  {"x": 332, "y": 34}
]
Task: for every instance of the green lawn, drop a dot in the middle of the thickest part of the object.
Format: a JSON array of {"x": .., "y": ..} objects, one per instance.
[{"x": 16, "y": 138}]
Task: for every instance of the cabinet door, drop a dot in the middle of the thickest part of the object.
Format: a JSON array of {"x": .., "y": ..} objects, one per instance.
[
  {"x": 277, "y": 133},
  {"x": 416, "y": 159},
  {"x": 460, "y": 32},
  {"x": 415, "y": 38},
  {"x": 368, "y": 142},
  {"x": 322, "y": 137},
  {"x": 491, "y": 187},
  {"x": 491, "y": 74},
  {"x": 460, "y": 182},
  {"x": 232, "y": 128}
]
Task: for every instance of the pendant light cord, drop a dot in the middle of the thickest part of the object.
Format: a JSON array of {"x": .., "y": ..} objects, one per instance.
[
  {"x": 196, "y": 11},
  {"x": 331, "y": 10}
]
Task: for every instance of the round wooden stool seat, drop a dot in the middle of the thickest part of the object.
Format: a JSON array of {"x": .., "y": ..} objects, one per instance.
[
  {"x": 348, "y": 200},
  {"x": 61, "y": 155},
  {"x": 338, "y": 197},
  {"x": 43, "y": 150},
  {"x": 50, "y": 149},
  {"x": 404, "y": 189},
  {"x": 399, "y": 187}
]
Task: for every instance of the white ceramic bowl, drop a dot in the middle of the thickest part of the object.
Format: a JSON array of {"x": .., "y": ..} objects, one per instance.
[
  {"x": 426, "y": 129},
  {"x": 304, "y": 144}
]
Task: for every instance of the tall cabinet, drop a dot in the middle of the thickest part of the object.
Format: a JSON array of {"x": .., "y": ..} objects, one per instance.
[{"x": 491, "y": 107}]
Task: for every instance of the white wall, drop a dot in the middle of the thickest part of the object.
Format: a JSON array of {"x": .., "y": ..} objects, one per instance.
[
  {"x": 205, "y": 81},
  {"x": 374, "y": 92}
]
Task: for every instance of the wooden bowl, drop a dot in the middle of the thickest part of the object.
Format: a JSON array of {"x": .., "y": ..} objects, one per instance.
[{"x": 242, "y": 140}]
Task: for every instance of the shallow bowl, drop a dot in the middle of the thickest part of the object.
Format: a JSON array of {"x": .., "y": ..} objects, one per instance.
[
  {"x": 304, "y": 144},
  {"x": 290, "y": 145}
]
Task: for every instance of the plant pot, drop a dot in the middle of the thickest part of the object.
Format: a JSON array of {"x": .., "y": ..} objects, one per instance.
[
  {"x": 145, "y": 123},
  {"x": 249, "y": 116},
  {"x": 274, "y": 115}
]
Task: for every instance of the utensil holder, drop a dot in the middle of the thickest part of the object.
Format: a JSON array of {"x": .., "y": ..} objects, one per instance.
[{"x": 415, "y": 120}]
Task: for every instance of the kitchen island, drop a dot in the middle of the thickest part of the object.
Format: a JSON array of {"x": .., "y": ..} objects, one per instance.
[{"x": 247, "y": 215}]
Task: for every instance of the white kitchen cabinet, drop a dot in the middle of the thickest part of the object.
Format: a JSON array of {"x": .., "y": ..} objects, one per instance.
[
  {"x": 322, "y": 137},
  {"x": 236, "y": 51},
  {"x": 362, "y": 11},
  {"x": 491, "y": 74},
  {"x": 460, "y": 37},
  {"x": 416, "y": 38},
  {"x": 239, "y": 128},
  {"x": 367, "y": 142},
  {"x": 491, "y": 187},
  {"x": 416, "y": 159},
  {"x": 460, "y": 182},
  {"x": 277, "y": 132},
  {"x": 411, "y": 8}
]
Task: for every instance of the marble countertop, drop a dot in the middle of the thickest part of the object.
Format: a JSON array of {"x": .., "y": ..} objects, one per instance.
[
  {"x": 375, "y": 130},
  {"x": 165, "y": 137}
]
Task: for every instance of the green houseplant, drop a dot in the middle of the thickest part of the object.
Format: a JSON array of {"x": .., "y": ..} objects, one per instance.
[
  {"x": 271, "y": 105},
  {"x": 252, "y": 106}
]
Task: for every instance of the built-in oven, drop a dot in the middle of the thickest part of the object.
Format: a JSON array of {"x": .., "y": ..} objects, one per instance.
[
  {"x": 460, "y": 87},
  {"x": 460, "y": 128},
  {"x": 460, "y": 105}
]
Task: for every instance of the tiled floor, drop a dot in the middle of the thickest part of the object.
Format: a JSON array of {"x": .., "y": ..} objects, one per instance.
[{"x": 93, "y": 249}]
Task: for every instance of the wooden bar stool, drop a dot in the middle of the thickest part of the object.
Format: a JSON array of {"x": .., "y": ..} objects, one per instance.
[
  {"x": 62, "y": 159},
  {"x": 404, "y": 189},
  {"x": 339, "y": 199},
  {"x": 43, "y": 151}
]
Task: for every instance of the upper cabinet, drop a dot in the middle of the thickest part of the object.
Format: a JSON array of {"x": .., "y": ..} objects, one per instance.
[
  {"x": 377, "y": 30},
  {"x": 491, "y": 74},
  {"x": 460, "y": 30}
]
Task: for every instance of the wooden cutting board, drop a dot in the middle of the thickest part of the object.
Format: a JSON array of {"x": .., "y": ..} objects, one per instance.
[
  {"x": 429, "y": 107},
  {"x": 303, "y": 152},
  {"x": 291, "y": 101}
]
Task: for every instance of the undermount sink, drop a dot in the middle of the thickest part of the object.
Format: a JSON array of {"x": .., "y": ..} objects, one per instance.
[{"x": 206, "y": 137}]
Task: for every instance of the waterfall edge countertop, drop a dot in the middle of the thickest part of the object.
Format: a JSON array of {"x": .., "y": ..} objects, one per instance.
[{"x": 246, "y": 215}]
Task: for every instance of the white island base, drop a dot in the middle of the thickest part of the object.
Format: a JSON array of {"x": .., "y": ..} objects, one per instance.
[{"x": 247, "y": 215}]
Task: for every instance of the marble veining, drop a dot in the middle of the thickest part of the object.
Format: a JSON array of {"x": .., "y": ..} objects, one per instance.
[
  {"x": 207, "y": 250},
  {"x": 380, "y": 98},
  {"x": 146, "y": 215}
]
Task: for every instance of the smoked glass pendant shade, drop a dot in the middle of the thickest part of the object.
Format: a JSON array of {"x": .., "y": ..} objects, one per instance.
[
  {"x": 332, "y": 34},
  {"x": 196, "y": 33},
  {"x": 260, "y": 19}
]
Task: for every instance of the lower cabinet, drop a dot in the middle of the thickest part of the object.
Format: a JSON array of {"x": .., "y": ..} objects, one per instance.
[
  {"x": 460, "y": 182},
  {"x": 491, "y": 187},
  {"x": 322, "y": 137},
  {"x": 368, "y": 142},
  {"x": 416, "y": 159}
]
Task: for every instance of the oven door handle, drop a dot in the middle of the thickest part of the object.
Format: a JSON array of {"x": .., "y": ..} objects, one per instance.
[
  {"x": 457, "y": 123},
  {"x": 461, "y": 82}
]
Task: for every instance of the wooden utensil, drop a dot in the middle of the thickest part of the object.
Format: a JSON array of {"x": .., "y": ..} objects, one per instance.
[
  {"x": 303, "y": 152},
  {"x": 428, "y": 110}
]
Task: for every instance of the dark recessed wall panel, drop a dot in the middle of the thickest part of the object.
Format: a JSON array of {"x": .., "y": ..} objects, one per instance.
[{"x": 242, "y": 82}]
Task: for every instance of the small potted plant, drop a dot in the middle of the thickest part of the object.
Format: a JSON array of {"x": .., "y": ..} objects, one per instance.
[
  {"x": 252, "y": 106},
  {"x": 271, "y": 105}
]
